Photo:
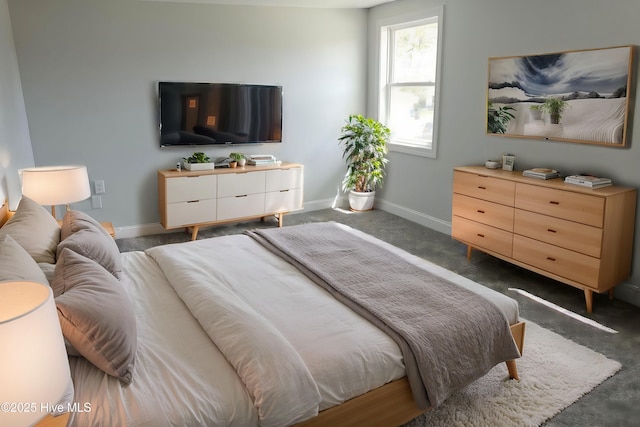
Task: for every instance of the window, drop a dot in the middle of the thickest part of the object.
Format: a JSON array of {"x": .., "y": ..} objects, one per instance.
[{"x": 409, "y": 71}]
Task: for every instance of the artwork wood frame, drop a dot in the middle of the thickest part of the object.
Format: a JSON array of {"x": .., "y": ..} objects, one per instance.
[{"x": 580, "y": 96}]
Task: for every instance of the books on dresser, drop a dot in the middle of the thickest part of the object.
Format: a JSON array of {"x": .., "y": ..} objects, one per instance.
[
  {"x": 541, "y": 173},
  {"x": 589, "y": 181}
]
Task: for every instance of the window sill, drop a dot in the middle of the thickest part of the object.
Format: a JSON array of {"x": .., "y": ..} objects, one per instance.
[{"x": 413, "y": 150}]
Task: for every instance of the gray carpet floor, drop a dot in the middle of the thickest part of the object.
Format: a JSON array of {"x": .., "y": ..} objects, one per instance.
[{"x": 616, "y": 402}]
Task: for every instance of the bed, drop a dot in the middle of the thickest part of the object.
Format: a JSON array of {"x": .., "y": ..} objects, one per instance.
[{"x": 188, "y": 321}]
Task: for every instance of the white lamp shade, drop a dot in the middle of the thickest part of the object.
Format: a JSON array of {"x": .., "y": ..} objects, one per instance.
[
  {"x": 56, "y": 185},
  {"x": 34, "y": 368}
]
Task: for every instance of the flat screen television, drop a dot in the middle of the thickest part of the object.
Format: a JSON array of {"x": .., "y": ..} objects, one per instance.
[{"x": 219, "y": 113}]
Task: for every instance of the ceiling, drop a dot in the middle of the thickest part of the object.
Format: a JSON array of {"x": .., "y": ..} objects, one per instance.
[{"x": 358, "y": 4}]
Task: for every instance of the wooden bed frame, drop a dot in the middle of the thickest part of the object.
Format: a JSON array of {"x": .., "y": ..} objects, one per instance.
[
  {"x": 389, "y": 405},
  {"x": 392, "y": 404}
]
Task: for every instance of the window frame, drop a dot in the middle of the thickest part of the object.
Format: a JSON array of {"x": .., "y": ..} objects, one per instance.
[{"x": 384, "y": 86}]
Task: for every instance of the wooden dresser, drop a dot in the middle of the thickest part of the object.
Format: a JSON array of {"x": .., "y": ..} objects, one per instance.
[{"x": 579, "y": 236}]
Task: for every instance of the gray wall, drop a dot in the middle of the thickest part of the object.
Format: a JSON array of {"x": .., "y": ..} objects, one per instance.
[
  {"x": 15, "y": 146},
  {"x": 89, "y": 71},
  {"x": 420, "y": 188}
]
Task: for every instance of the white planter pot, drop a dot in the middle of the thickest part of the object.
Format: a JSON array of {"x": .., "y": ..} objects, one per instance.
[
  {"x": 198, "y": 166},
  {"x": 361, "y": 201}
]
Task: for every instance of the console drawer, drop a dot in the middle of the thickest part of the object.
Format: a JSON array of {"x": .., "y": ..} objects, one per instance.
[
  {"x": 484, "y": 187},
  {"x": 283, "y": 179},
  {"x": 559, "y": 232},
  {"x": 188, "y": 188},
  {"x": 283, "y": 201},
  {"x": 563, "y": 262},
  {"x": 241, "y": 183},
  {"x": 189, "y": 213},
  {"x": 241, "y": 206},
  {"x": 569, "y": 205},
  {"x": 489, "y": 213},
  {"x": 482, "y": 236}
]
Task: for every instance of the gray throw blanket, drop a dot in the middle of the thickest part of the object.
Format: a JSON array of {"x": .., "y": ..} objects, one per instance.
[{"x": 449, "y": 336}]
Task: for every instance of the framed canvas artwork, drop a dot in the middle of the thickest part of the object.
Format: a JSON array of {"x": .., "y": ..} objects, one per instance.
[{"x": 578, "y": 96}]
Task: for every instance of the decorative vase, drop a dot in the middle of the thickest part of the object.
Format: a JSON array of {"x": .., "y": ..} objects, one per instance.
[
  {"x": 242, "y": 162},
  {"x": 361, "y": 201}
]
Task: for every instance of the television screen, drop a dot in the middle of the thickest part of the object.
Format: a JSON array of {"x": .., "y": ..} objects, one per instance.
[{"x": 219, "y": 113}]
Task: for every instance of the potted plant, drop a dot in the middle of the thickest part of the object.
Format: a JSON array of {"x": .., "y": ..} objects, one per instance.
[
  {"x": 239, "y": 158},
  {"x": 364, "y": 143},
  {"x": 197, "y": 161},
  {"x": 555, "y": 107}
]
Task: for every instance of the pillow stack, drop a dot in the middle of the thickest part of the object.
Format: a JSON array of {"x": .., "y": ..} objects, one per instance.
[{"x": 96, "y": 315}]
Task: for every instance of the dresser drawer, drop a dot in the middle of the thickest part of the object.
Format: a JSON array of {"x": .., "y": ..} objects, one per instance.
[
  {"x": 484, "y": 187},
  {"x": 241, "y": 183},
  {"x": 479, "y": 210},
  {"x": 576, "y": 207},
  {"x": 188, "y": 188},
  {"x": 563, "y": 262},
  {"x": 189, "y": 213},
  {"x": 482, "y": 236},
  {"x": 241, "y": 206},
  {"x": 559, "y": 232},
  {"x": 283, "y": 201},
  {"x": 283, "y": 179}
]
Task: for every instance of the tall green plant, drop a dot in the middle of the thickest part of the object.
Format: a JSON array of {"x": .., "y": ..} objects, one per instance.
[{"x": 364, "y": 149}]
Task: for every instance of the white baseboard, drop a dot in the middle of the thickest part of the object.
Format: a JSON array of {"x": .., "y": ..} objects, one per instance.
[
  {"x": 628, "y": 292},
  {"x": 415, "y": 216}
]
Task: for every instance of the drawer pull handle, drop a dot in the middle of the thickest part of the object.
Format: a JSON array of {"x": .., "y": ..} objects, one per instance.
[
  {"x": 554, "y": 203},
  {"x": 284, "y": 191},
  {"x": 551, "y": 258},
  {"x": 242, "y": 195},
  {"x": 482, "y": 187},
  {"x": 480, "y": 235},
  {"x": 480, "y": 211},
  {"x": 551, "y": 230},
  {"x": 193, "y": 201}
]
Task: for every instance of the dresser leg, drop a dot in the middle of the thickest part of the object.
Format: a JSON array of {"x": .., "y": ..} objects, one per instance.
[
  {"x": 588, "y": 296},
  {"x": 611, "y": 293},
  {"x": 194, "y": 233},
  {"x": 468, "y": 252}
]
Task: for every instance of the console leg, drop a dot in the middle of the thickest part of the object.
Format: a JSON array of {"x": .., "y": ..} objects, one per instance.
[
  {"x": 194, "y": 233},
  {"x": 469, "y": 252}
]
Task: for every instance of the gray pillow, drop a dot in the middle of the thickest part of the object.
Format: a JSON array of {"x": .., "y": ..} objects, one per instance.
[
  {"x": 35, "y": 229},
  {"x": 97, "y": 246},
  {"x": 75, "y": 221},
  {"x": 17, "y": 264},
  {"x": 96, "y": 315}
]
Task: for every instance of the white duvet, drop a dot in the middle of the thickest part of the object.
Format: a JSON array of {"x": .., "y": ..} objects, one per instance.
[{"x": 231, "y": 335}]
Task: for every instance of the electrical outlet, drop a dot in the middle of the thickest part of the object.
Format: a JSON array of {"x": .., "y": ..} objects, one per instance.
[
  {"x": 96, "y": 202},
  {"x": 99, "y": 187}
]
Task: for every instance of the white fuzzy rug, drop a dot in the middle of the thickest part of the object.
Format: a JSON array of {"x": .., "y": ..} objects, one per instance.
[{"x": 554, "y": 373}]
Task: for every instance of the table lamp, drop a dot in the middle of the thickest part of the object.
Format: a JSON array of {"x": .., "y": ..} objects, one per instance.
[
  {"x": 56, "y": 185},
  {"x": 34, "y": 368}
]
